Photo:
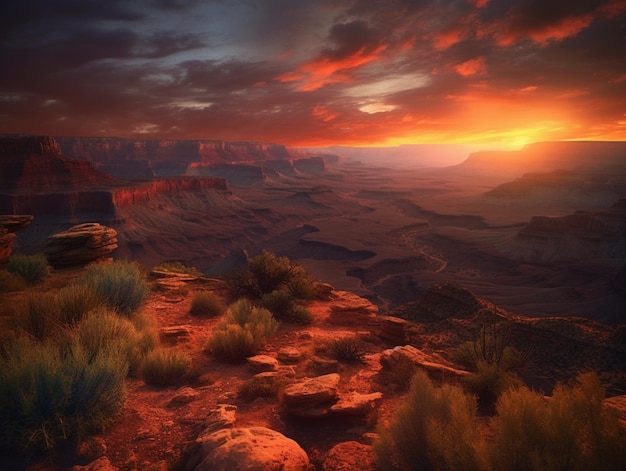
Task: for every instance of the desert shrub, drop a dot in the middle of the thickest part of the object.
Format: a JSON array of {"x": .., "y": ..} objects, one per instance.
[
  {"x": 206, "y": 304},
  {"x": 268, "y": 272},
  {"x": 119, "y": 284},
  {"x": 48, "y": 395},
  {"x": 282, "y": 305},
  {"x": 488, "y": 382},
  {"x": 346, "y": 349},
  {"x": 178, "y": 267},
  {"x": 75, "y": 301},
  {"x": 32, "y": 268},
  {"x": 164, "y": 367},
  {"x": 104, "y": 331},
  {"x": 492, "y": 363},
  {"x": 40, "y": 317},
  {"x": 570, "y": 431},
  {"x": 263, "y": 386},
  {"x": 301, "y": 284},
  {"x": 433, "y": 429},
  {"x": 242, "y": 333}
]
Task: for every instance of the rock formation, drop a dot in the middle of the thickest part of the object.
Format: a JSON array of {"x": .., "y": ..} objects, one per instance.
[
  {"x": 35, "y": 163},
  {"x": 9, "y": 225},
  {"x": 80, "y": 245}
]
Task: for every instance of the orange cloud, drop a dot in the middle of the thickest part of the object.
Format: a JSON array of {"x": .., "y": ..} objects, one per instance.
[
  {"x": 318, "y": 73},
  {"x": 471, "y": 67},
  {"x": 479, "y": 3},
  {"x": 565, "y": 28}
]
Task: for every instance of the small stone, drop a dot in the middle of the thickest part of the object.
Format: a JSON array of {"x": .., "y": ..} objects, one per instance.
[
  {"x": 90, "y": 449},
  {"x": 356, "y": 404},
  {"x": 101, "y": 464},
  {"x": 223, "y": 416},
  {"x": 349, "y": 456}
]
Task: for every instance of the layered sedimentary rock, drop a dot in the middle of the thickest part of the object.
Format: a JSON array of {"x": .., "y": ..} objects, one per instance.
[
  {"x": 80, "y": 245},
  {"x": 35, "y": 163},
  {"x": 238, "y": 174},
  {"x": 161, "y": 157},
  {"x": 583, "y": 235}
]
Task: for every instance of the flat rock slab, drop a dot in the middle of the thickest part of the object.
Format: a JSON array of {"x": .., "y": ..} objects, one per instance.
[
  {"x": 261, "y": 363},
  {"x": 435, "y": 366},
  {"x": 251, "y": 449},
  {"x": 312, "y": 391},
  {"x": 356, "y": 404}
]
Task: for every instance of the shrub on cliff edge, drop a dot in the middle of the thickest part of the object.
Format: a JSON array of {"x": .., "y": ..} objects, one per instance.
[{"x": 119, "y": 284}]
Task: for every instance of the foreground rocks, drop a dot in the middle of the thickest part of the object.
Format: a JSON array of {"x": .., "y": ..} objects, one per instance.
[
  {"x": 251, "y": 449},
  {"x": 80, "y": 245},
  {"x": 435, "y": 366}
]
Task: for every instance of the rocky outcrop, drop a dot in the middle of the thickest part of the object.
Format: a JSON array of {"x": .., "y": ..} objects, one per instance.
[
  {"x": 163, "y": 157},
  {"x": 440, "y": 302},
  {"x": 434, "y": 365},
  {"x": 9, "y": 225},
  {"x": 310, "y": 165},
  {"x": 582, "y": 235},
  {"x": 107, "y": 201},
  {"x": 35, "y": 163},
  {"x": 350, "y": 309},
  {"x": 80, "y": 245}
]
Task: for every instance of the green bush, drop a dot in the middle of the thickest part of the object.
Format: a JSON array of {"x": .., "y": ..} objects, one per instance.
[
  {"x": 178, "y": 267},
  {"x": 40, "y": 317},
  {"x": 164, "y": 367},
  {"x": 32, "y": 268},
  {"x": 346, "y": 349},
  {"x": 242, "y": 333},
  {"x": 569, "y": 431},
  {"x": 435, "y": 428},
  {"x": 282, "y": 305},
  {"x": 48, "y": 395},
  {"x": 206, "y": 304},
  {"x": 75, "y": 301},
  {"x": 120, "y": 284},
  {"x": 263, "y": 386},
  {"x": 268, "y": 272},
  {"x": 488, "y": 382}
]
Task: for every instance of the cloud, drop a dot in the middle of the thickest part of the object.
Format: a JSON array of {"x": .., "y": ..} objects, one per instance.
[{"x": 471, "y": 67}]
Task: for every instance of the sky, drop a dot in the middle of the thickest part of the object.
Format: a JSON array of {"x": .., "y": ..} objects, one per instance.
[{"x": 316, "y": 72}]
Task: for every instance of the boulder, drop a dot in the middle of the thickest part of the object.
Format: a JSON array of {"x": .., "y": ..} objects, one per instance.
[
  {"x": 251, "y": 449},
  {"x": 101, "y": 464},
  {"x": 435, "y": 366},
  {"x": 351, "y": 310},
  {"x": 312, "y": 397},
  {"x": 262, "y": 363},
  {"x": 348, "y": 456},
  {"x": 80, "y": 245},
  {"x": 289, "y": 355}
]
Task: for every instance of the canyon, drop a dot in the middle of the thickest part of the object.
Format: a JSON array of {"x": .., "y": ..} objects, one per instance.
[{"x": 539, "y": 231}]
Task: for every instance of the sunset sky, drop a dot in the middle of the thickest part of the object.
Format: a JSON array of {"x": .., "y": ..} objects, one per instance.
[{"x": 316, "y": 72}]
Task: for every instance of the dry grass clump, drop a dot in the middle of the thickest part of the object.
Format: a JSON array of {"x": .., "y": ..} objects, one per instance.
[
  {"x": 260, "y": 386},
  {"x": 49, "y": 394},
  {"x": 164, "y": 367},
  {"x": 283, "y": 306},
  {"x": 31, "y": 268},
  {"x": 206, "y": 304},
  {"x": 120, "y": 284},
  {"x": 242, "y": 333},
  {"x": 178, "y": 267}
]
